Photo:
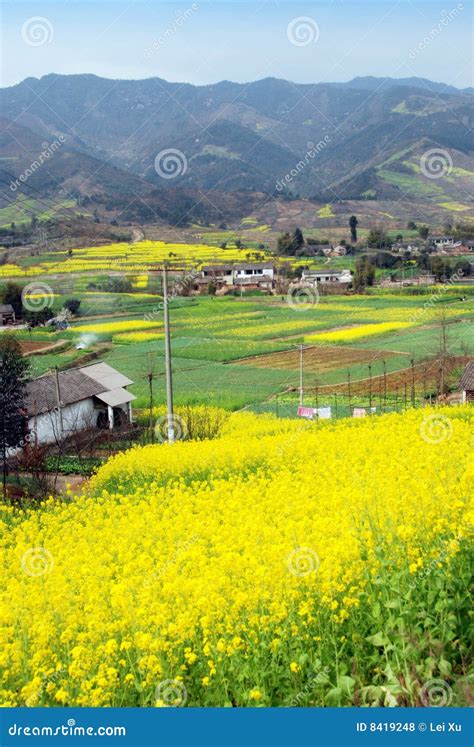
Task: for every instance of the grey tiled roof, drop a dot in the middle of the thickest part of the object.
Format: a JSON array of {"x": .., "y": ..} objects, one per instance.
[
  {"x": 467, "y": 381},
  {"x": 74, "y": 386}
]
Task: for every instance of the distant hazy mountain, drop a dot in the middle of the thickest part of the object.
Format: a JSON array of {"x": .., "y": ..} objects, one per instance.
[{"x": 236, "y": 138}]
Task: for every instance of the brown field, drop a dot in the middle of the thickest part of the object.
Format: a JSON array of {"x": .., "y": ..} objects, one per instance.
[
  {"x": 425, "y": 378},
  {"x": 318, "y": 359},
  {"x": 28, "y": 347}
]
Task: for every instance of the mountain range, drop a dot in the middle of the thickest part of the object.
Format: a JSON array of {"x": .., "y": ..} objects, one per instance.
[{"x": 231, "y": 144}]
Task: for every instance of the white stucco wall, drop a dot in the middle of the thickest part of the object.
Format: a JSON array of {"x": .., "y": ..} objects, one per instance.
[
  {"x": 267, "y": 272},
  {"x": 79, "y": 416}
]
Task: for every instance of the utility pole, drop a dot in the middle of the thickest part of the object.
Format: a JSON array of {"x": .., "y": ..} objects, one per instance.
[
  {"x": 384, "y": 386},
  {"x": 58, "y": 399},
  {"x": 301, "y": 375},
  {"x": 150, "y": 384},
  {"x": 4, "y": 440},
  {"x": 349, "y": 392},
  {"x": 370, "y": 389},
  {"x": 169, "y": 380}
]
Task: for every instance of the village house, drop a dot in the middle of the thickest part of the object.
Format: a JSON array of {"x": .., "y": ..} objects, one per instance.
[
  {"x": 467, "y": 383},
  {"x": 249, "y": 275},
  {"x": 61, "y": 404},
  {"x": 324, "y": 250},
  {"x": 407, "y": 246},
  {"x": 445, "y": 244},
  {"x": 423, "y": 279},
  {"x": 313, "y": 277},
  {"x": 438, "y": 242},
  {"x": 7, "y": 314}
]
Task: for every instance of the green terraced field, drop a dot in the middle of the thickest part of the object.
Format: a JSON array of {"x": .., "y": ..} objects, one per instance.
[{"x": 216, "y": 341}]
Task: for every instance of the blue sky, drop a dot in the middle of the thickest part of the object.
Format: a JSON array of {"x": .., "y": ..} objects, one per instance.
[{"x": 240, "y": 40}]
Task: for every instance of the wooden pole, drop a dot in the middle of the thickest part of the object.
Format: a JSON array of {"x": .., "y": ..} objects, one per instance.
[
  {"x": 349, "y": 391},
  {"x": 150, "y": 410},
  {"x": 168, "y": 371},
  {"x": 58, "y": 399},
  {"x": 370, "y": 389},
  {"x": 301, "y": 375}
]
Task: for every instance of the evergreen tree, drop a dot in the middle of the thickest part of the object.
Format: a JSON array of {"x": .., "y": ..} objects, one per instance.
[
  {"x": 298, "y": 239},
  {"x": 285, "y": 243},
  {"x": 364, "y": 274},
  {"x": 14, "y": 372},
  {"x": 353, "y": 222},
  {"x": 12, "y": 295}
]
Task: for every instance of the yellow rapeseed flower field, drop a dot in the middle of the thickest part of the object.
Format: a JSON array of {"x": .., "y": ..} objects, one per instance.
[
  {"x": 130, "y": 337},
  {"x": 109, "y": 328},
  {"x": 348, "y": 334},
  {"x": 242, "y": 567}
]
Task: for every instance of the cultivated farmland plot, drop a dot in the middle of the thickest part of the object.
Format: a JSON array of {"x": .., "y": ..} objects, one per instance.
[{"x": 263, "y": 559}]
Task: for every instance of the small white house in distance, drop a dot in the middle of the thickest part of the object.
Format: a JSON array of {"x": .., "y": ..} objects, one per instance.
[
  {"x": 253, "y": 271},
  {"x": 248, "y": 273},
  {"x": 467, "y": 383},
  {"x": 326, "y": 276},
  {"x": 60, "y": 405},
  {"x": 7, "y": 314}
]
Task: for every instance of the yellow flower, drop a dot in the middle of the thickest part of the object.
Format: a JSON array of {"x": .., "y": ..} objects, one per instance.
[
  {"x": 193, "y": 557},
  {"x": 255, "y": 695}
]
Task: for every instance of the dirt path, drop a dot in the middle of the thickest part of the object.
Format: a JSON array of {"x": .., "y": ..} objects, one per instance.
[
  {"x": 74, "y": 481},
  {"x": 137, "y": 235}
]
